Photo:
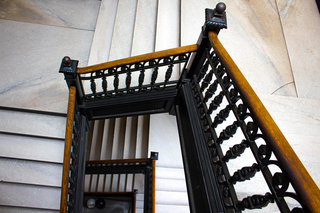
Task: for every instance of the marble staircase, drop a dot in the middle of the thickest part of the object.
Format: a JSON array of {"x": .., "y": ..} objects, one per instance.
[
  {"x": 32, "y": 144},
  {"x": 261, "y": 37}
]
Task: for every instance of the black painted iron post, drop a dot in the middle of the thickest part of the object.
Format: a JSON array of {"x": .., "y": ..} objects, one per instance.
[
  {"x": 202, "y": 183},
  {"x": 69, "y": 69},
  {"x": 79, "y": 142}
]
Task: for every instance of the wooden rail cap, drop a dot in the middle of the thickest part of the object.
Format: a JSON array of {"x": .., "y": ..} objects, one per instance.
[{"x": 139, "y": 58}]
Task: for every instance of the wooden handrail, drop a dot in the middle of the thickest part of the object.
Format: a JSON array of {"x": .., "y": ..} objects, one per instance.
[
  {"x": 67, "y": 149},
  {"x": 153, "y": 189},
  {"x": 300, "y": 178},
  {"x": 118, "y": 161},
  {"x": 139, "y": 58}
]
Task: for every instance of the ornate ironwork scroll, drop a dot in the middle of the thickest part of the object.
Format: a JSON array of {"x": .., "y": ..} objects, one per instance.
[{"x": 212, "y": 78}]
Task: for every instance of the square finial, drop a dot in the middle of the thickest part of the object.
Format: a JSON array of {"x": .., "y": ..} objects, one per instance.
[{"x": 216, "y": 18}]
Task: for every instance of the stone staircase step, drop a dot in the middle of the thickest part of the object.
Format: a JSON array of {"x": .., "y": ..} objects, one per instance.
[
  {"x": 31, "y": 148},
  {"x": 15, "y": 209},
  {"x": 32, "y": 196},
  {"x": 171, "y": 198},
  {"x": 38, "y": 124},
  {"x": 171, "y": 185},
  {"x": 161, "y": 208},
  {"x": 30, "y": 172},
  {"x": 170, "y": 173},
  {"x": 144, "y": 27}
]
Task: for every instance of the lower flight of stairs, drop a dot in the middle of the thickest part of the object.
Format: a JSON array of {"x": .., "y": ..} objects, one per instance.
[{"x": 32, "y": 144}]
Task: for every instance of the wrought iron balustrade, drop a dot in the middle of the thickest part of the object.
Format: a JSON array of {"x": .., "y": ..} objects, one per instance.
[
  {"x": 74, "y": 157},
  {"x": 220, "y": 120},
  {"x": 145, "y": 166},
  {"x": 135, "y": 74}
]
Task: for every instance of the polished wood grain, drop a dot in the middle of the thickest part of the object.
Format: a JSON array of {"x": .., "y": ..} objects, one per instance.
[
  {"x": 67, "y": 149},
  {"x": 153, "y": 189},
  {"x": 301, "y": 180},
  {"x": 118, "y": 161},
  {"x": 139, "y": 58}
]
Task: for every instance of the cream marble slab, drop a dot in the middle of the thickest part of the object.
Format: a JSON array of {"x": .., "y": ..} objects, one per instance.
[
  {"x": 168, "y": 24},
  {"x": 30, "y": 59},
  {"x": 32, "y": 124},
  {"x": 30, "y": 196},
  {"x": 145, "y": 27},
  {"x": 254, "y": 39},
  {"x": 102, "y": 38},
  {"x": 73, "y": 14},
  {"x": 31, "y": 148},
  {"x": 168, "y": 32},
  {"x": 301, "y": 26},
  {"x": 123, "y": 30},
  {"x": 164, "y": 138},
  {"x": 30, "y": 172}
]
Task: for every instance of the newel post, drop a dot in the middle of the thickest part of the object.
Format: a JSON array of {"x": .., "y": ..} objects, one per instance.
[
  {"x": 69, "y": 69},
  {"x": 215, "y": 20}
]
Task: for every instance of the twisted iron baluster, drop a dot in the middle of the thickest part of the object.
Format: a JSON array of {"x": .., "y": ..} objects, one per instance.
[
  {"x": 116, "y": 82},
  {"x": 141, "y": 77},
  {"x": 206, "y": 81},
  {"x": 93, "y": 84},
  {"x": 168, "y": 73},
  {"x": 203, "y": 70},
  {"x": 235, "y": 151},
  {"x": 210, "y": 92},
  {"x": 244, "y": 174},
  {"x": 221, "y": 116},
  {"x": 104, "y": 84},
  {"x": 216, "y": 102},
  {"x": 154, "y": 76},
  {"x": 228, "y": 132},
  {"x": 128, "y": 80},
  {"x": 256, "y": 201}
]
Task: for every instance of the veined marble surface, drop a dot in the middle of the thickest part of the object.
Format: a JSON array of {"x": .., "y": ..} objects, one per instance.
[
  {"x": 73, "y": 14},
  {"x": 30, "y": 59},
  {"x": 301, "y": 26},
  {"x": 254, "y": 39}
]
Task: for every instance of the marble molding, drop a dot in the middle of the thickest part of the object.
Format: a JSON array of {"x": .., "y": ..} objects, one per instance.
[
  {"x": 301, "y": 27},
  {"x": 71, "y": 14},
  {"x": 30, "y": 60},
  {"x": 254, "y": 39}
]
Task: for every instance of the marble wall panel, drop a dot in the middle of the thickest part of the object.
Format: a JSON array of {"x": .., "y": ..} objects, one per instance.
[
  {"x": 145, "y": 27},
  {"x": 168, "y": 32},
  {"x": 301, "y": 26},
  {"x": 123, "y": 30},
  {"x": 254, "y": 39},
  {"x": 30, "y": 60},
  {"x": 73, "y": 14},
  {"x": 102, "y": 38}
]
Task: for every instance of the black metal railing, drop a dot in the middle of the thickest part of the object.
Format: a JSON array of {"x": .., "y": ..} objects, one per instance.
[
  {"x": 142, "y": 76},
  {"x": 220, "y": 119},
  {"x": 74, "y": 158},
  {"x": 144, "y": 166},
  {"x": 216, "y": 98}
]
